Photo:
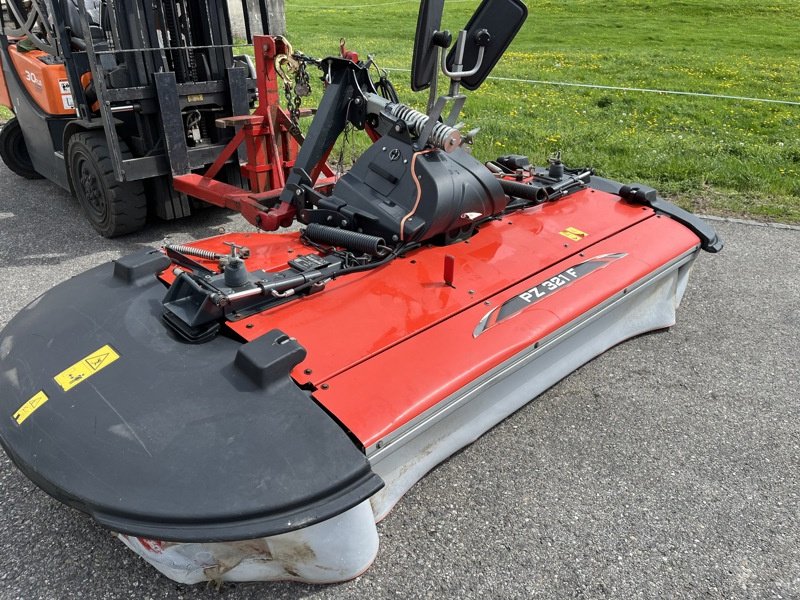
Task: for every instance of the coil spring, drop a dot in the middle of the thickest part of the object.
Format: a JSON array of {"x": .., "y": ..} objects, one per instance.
[
  {"x": 190, "y": 251},
  {"x": 352, "y": 240},
  {"x": 442, "y": 136}
]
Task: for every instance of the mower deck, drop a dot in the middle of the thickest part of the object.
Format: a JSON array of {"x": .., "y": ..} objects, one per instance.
[
  {"x": 287, "y": 426},
  {"x": 247, "y": 407}
]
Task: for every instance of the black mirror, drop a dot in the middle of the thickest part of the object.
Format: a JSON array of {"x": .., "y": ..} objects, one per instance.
[
  {"x": 423, "y": 63},
  {"x": 493, "y": 26}
]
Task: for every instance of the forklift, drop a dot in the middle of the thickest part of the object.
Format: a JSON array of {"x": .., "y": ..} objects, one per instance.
[{"x": 112, "y": 99}]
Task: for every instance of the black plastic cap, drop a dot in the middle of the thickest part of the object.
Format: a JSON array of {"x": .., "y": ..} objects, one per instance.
[{"x": 134, "y": 267}]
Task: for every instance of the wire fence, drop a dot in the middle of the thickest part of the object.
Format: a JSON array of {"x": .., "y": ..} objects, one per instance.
[
  {"x": 361, "y": 6},
  {"x": 620, "y": 88},
  {"x": 617, "y": 88}
]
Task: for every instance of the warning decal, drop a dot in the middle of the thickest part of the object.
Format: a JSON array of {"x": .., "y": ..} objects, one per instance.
[
  {"x": 27, "y": 409},
  {"x": 576, "y": 235},
  {"x": 85, "y": 368}
]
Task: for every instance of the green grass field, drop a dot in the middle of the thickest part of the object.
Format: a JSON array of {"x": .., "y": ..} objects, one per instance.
[{"x": 718, "y": 156}]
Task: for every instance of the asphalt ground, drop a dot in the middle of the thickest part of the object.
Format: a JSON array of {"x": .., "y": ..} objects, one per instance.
[{"x": 665, "y": 468}]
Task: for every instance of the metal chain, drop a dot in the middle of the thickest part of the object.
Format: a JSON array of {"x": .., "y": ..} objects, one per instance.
[
  {"x": 293, "y": 105},
  {"x": 295, "y": 87},
  {"x": 302, "y": 83},
  {"x": 295, "y": 90},
  {"x": 346, "y": 143}
]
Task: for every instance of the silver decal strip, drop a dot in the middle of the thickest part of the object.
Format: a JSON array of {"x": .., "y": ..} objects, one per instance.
[{"x": 513, "y": 306}]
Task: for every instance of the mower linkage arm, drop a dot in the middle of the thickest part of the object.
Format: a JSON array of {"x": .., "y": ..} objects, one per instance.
[
  {"x": 351, "y": 98},
  {"x": 345, "y": 80}
]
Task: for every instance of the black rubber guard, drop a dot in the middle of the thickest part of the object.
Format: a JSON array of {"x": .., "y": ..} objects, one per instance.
[
  {"x": 171, "y": 441},
  {"x": 638, "y": 193}
]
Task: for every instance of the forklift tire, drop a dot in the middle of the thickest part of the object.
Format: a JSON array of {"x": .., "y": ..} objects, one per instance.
[
  {"x": 112, "y": 207},
  {"x": 14, "y": 152}
]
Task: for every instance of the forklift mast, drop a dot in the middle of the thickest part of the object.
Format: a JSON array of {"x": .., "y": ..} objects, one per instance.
[{"x": 153, "y": 77}]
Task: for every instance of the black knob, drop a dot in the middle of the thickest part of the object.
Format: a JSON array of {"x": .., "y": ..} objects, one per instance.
[
  {"x": 442, "y": 38},
  {"x": 482, "y": 37}
]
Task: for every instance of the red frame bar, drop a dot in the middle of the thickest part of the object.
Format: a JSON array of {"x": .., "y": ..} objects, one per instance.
[{"x": 271, "y": 147}]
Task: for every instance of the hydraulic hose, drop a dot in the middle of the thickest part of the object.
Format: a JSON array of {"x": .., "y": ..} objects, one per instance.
[{"x": 526, "y": 191}]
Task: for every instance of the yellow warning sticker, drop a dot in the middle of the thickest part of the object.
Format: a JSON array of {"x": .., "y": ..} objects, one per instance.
[
  {"x": 27, "y": 409},
  {"x": 85, "y": 368},
  {"x": 576, "y": 235}
]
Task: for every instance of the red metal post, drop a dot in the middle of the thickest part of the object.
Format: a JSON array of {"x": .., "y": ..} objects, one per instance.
[{"x": 271, "y": 147}]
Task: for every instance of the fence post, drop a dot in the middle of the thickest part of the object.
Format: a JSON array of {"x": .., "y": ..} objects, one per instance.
[
  {"x": 263, "y": 16},
  {"x": 276, "y": 15}
]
